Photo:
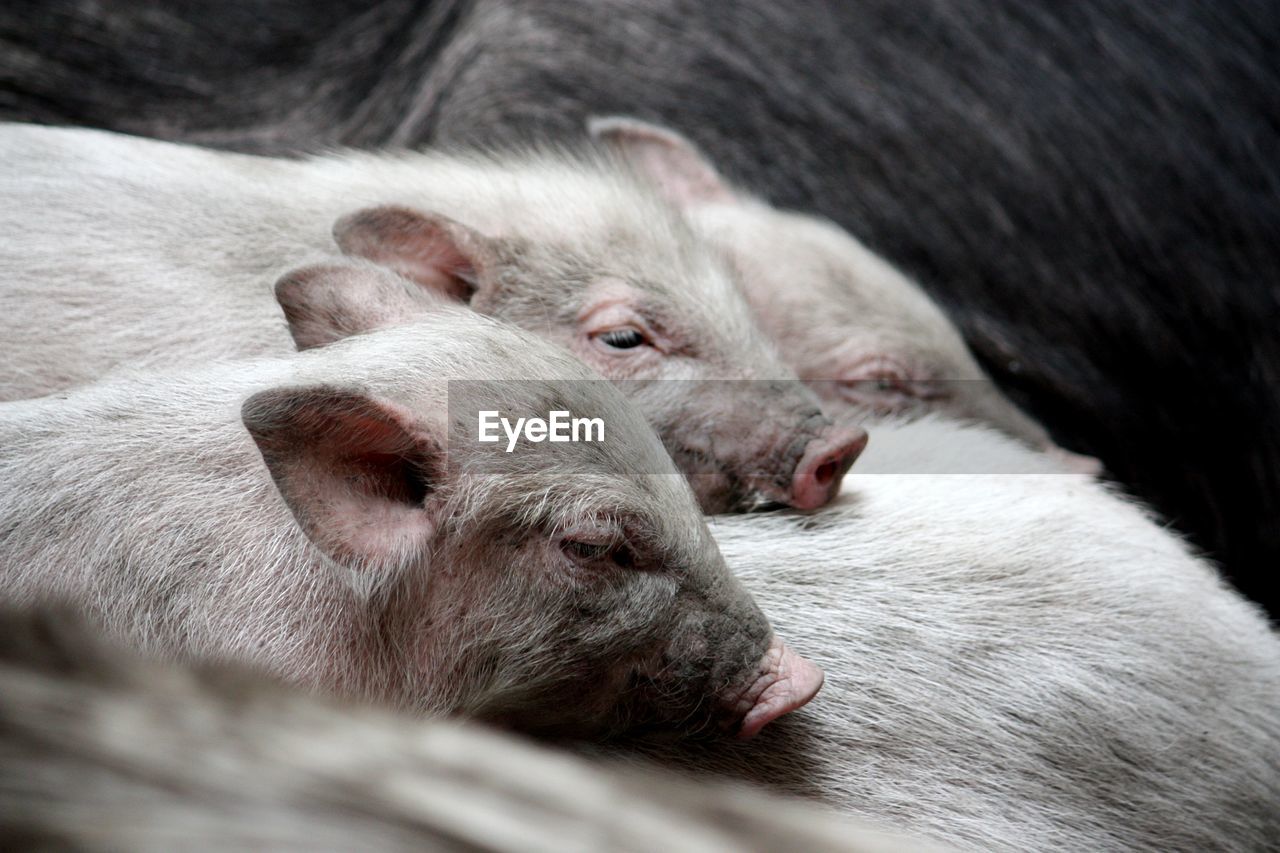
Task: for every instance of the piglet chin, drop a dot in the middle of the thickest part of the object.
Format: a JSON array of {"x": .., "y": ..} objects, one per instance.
[{"x": 787, "y": 681}]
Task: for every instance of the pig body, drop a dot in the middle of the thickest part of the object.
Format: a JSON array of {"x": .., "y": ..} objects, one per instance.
[
  {"x": 123, "y": 242},
  {"x": 101, "y": 749},
  {"x": 146, "y": 253},
  {"x": 331, "y": 520},
  {"x": 1016, "y": 662}
]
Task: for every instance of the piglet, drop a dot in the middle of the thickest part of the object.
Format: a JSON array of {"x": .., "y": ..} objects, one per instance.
[
  {"x": 145, "y": 253},
  {"x": 865, "y": 337}
]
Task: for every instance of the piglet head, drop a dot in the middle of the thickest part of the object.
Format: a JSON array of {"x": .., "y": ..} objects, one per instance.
[
  {"x": 614, "y": 631},
  {"x": 581, "y": 593},
  {"x": 657, "y": 313},
  {"x": 863, "y": 335},
  {"x": 552, "y": 587},
  {"x": 738, "y": 424}
]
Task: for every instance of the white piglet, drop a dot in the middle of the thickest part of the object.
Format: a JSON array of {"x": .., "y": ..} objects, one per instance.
[
  {"x": 129, "y": 251},
  {"x": 865, "y": 337}
]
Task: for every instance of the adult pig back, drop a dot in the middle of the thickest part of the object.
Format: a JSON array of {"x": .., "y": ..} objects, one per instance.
[{"x": 1018, "y": 662}]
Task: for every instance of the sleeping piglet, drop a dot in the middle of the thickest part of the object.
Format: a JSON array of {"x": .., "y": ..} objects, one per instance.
[
  {"x": 332, "y": 519},
  {"x": 865, "y": 337},
  {"x": 141, "y": 252}
]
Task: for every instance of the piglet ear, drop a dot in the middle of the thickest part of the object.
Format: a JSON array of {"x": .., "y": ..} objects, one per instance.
[
  {"x": 324, "y": 303},
  {"x": 353, "y": 469},
  {"x": 444, "y": 256},
  {"x": 685, "y": 176}
]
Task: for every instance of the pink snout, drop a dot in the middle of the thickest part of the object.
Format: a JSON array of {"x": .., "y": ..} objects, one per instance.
[
  {"x": 825, "y": 461},
  {"x": 786, "y": 682}
]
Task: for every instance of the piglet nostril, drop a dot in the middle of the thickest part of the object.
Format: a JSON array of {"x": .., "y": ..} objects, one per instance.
[
  {"x": 824, "y": 463},
  {"x": 825, "y": 473}
]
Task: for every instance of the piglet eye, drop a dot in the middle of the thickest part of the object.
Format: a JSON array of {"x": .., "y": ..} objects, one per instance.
[
  {"x": 884, "y": 385},
  {"x": 584, "y": 551},
  {"x": 596, "y": 553},
  {"x": 627, "y": 338},
  {"x": 879, "y": 382},
  {"x": 624, "y": 558}
]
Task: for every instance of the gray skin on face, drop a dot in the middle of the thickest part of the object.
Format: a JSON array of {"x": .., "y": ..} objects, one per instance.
[{"x": 331, "y": 519}]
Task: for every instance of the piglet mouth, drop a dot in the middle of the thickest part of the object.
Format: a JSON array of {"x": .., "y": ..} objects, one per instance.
[{"x": 785, "y": 681}]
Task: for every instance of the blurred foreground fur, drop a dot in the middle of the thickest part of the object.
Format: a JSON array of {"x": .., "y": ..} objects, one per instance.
[{"x": 100, "y": 750}]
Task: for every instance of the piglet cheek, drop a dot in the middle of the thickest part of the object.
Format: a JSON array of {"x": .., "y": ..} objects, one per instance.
[{"x": 786, "y": 682}]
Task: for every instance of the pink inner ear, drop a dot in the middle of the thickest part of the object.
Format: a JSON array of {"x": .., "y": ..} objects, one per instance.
[
  {"x": 373, "y": 490},
  {"x": 368, "y": 533},
  {"x": 685, "y": 177},
  {"x": 684, "y": 186},
  {"x": 352, "y": 470},
  {"x": 324, "y": 303},
  {"x": 435, "y": 252}
]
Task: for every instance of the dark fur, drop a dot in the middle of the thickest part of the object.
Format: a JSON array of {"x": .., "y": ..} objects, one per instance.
[{"x": 1092, "y": 190}]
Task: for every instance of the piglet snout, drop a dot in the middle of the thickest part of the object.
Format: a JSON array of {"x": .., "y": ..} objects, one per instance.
[
  {"x": 823, "y": 465},
  {"x": 786, "y": 682}
]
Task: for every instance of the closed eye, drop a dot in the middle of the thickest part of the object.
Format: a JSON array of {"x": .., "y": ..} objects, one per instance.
[
  {"x": 886, "y": 386},
  {"x": 584, "y": 550},
  {"x": 624, "y": 338},
  {"x": 617, "y": 553}
]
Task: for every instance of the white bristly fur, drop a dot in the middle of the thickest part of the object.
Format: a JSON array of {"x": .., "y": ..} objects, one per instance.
[
  {"x": 99, "y": 750},
  {"x": 120, "y": 250},
  {"x": 1014, "y": 662}
]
